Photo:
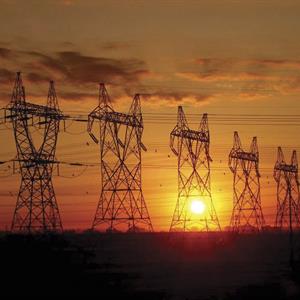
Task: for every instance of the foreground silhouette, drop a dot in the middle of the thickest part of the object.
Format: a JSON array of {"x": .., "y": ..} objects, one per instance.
[{"x": 148, "y": 266}]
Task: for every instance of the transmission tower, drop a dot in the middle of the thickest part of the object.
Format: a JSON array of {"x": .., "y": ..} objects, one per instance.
[
  {"x": 288, "y": 203},
  {"x": 192, "y": 149},
  {"x": 36, "y": 208},
  {"x": 247, "y": 213},
  {"x": 122, "y": 205}
]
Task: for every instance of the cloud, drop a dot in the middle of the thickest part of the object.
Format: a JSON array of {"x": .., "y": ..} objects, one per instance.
[
  {"x": 76, "y": 68},
  {"x": 115, "y": 46},
  {"x": 73, "y": 71},
  {"x": 216, "y": 63},
  {"x": 250, "y": 78},
  {"x": 76, "y": 96},
  {"x": 277, "y": 63},
  {"x": 68, "y": 45},
  {"x": 77, "y": 75},
  {"x": 219, "y": 75},
  {"x": 6, "y": 76},
  {"x": 5, "y": 52},
  {"x": 5, "y": 97},
  {"x": 176, "y": 98},
  {"x": 37, "y": 78},
  {"x": 252, "y": 95}
]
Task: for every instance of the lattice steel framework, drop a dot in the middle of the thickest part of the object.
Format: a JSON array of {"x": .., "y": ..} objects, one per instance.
[
  {"x": 192, "y": 149},
  {"x": 122, "y": 205},
  {"x": 288, "y": 203},
  {"x": 36, "y": 208},
  {"x": 247, "y": 212}
]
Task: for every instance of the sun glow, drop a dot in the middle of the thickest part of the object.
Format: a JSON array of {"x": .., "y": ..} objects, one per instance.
[{"x": 197, "y": 207}]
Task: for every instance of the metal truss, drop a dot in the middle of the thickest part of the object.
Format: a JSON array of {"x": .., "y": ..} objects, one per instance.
[
  {"x": 192, "y": 149},
  {"x": 288, "y": 203},
  {"x": 247, "y": 212},
  {"x": 122, "y": 206},
  {"x": 36, "y": 208}
]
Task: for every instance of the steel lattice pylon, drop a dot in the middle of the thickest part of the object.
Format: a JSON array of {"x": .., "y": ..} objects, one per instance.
[
  {"x": 247, "y": 213},
  {"x": 288, "y": 203},
  {"x": 192, "y": 149},
  {"x": 121, "y": 201},
  {"x": 36, "y": 208}
]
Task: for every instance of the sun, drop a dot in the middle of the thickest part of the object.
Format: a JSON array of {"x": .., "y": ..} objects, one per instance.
[{"x": 197, "y": 207}]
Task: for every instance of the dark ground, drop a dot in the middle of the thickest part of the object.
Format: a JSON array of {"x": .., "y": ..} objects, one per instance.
[{"x": 149, "y": 266}]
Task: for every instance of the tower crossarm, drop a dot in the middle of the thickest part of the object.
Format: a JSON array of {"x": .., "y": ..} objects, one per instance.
[
  {"x": 27, "y": 163},
  {"x": 244, "y": 156},
  {"x": 191, "y": 134},
  {"x": 117, "y": 117},
  {"x": 286, "y": 168},
  {"x": 33, "y": 110}
]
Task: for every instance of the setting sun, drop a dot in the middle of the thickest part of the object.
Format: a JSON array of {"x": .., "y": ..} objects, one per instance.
[{"x": 197, "y": 206}]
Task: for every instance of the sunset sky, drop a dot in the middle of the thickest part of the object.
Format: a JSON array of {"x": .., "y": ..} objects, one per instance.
[{"x": 216, "y": 57}]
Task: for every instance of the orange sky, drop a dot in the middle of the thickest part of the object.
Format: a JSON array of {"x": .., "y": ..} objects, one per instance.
[{"x": 219, "y": 57}]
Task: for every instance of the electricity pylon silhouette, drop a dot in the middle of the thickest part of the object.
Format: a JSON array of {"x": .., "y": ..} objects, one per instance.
[
  {"x": 36, "y": 208},
  {"x": 192, "y": 149},
  {"x": 121, "y": 201},
  {"x": 288, "y": 203},
  {"x": 247, "y": 213}
]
